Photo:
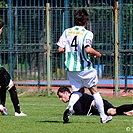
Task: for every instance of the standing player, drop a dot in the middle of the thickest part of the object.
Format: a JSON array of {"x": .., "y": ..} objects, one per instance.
[
  {"x": 76, "y": 43},
  {"x": 6, "y": 83}
]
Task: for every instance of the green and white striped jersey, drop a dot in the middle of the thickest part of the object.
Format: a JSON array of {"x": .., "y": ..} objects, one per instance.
[{"x": 74, "y": 40}]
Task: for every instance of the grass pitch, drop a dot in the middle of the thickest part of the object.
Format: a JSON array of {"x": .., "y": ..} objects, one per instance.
[{"x": 44, "y": 115}]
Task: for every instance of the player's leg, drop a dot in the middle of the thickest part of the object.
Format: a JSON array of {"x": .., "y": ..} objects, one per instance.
[
  {"x": 99, "y": 104},
  {"x": 7, "y": 83},
  {"x": 69, "y": 110},
  {"x": 76, "y": 94},
  {"x": 73, "y": 99},
  {"x": 91, "y": 83},
  {"x": 2, "y": 96},
  {"x": 76, "y": 86},
  {"x": 3, "y": 100},
  {"x": 15, "y": 101},
  {"x": 2, "y": 86},
  {"x": 3, "y": 89}
]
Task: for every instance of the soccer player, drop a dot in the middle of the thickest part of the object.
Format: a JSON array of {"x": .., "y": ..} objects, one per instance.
[
  {"x": 76, "y": 42},
  {"x": 6, "y": 83},
  {"x": 86, "y": 106}
]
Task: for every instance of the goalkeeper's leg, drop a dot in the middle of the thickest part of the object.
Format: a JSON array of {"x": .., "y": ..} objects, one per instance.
[
  {"x": 3, "y": 96},
  {"x": 14, "y": 99}
]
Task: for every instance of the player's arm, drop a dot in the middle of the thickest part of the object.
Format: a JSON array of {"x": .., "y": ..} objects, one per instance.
[
  {"x": 62, "y": 43},
  {"x": 88, "y": 45},
  {"x": 129, "y": 113},
  {"x": 92, "y": 51}
]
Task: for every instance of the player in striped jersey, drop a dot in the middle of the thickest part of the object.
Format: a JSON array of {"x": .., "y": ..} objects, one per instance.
[{"x": 76, "y": 42}]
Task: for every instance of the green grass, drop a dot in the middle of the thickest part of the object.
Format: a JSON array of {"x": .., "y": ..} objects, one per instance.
[{"x": 45, "y": 116}]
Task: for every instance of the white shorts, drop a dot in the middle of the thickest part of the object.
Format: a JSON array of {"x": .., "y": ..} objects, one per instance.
[{"x": 87, "y": 78}]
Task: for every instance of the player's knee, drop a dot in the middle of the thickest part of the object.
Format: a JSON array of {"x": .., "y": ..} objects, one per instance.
[
  {"x": 11, "y": 84},
  {"x": 111, "y": 111},
  {"x": 13, "y": 88}
]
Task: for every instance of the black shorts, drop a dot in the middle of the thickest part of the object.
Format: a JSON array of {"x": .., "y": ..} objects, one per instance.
[{"x": 4, "y": 78}]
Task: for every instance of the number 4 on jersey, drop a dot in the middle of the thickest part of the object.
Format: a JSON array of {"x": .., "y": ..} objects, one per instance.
[{"x": 74, "y": 43}]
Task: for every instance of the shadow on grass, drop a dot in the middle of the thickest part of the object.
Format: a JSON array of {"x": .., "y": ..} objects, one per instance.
[{"x": 50, "y": 121}]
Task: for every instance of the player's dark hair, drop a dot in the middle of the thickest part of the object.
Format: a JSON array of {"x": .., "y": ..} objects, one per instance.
[
  {"x": 63, "y": 89},
  {"x": 1, "y": 24},
  {"x": 81, "y": 17}
]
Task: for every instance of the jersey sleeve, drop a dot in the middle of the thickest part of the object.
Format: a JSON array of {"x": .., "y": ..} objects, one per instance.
[
  {"x": 88, "y": 39},
  {"x": 62, "y": 40}
]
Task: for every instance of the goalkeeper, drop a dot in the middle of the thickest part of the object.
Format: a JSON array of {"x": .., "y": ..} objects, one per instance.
[
  {"x": 86, "y": 106},
  {"x": 6, "y": 83}
]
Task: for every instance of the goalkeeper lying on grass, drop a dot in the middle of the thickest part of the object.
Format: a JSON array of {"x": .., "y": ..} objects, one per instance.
[{"x": 86, "y": 106}]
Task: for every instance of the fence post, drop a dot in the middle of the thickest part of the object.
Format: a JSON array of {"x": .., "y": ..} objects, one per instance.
[
  {"x": 66, "y": 14},
  {"x": 48, "y": 47},
  {"x": 10, "y": 36},
  {"x": 116, "y": 49}
]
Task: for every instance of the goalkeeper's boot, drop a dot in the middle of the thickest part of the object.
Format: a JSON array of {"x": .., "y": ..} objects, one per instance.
[
  {"x": 4, "y": 112},
  {"x": 20, "y": 114},
  {"x": 108, "y": 118},
  {"x": 67, "y": 115}
]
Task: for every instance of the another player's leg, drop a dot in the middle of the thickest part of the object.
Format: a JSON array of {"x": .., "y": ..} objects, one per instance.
[
  {"x": 3, "y": 100},
  {"x": 3, "y": 89},
  {"x": 2, "y": 96},
  {"x": 76, "y": 94},
  {"x": 15, "y": 101},
  {"x": 99, "y": 104},
  {"x": 69, "y": 110}
]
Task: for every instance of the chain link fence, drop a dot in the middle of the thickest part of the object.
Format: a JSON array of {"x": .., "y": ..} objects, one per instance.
[{"x": 23, "y": 49}]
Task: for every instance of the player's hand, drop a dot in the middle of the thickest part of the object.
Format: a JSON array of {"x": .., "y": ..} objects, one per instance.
[
  {"x": 66, "y": 116},
  {"x": 60, "y": 49},
  {"x": 129, "y": 113},
  {"x": 98, "y": 55}
]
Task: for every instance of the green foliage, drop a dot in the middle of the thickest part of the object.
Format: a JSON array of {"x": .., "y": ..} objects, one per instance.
[
  {"x": 45, "y": 116},
  {"x": 59, "y": 74},
  {"x": 3, "y": 3}
]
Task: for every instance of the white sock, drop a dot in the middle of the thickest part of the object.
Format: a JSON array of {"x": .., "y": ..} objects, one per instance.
[
  {"x": 73, "y": 99},
  {"x": 99, "y": 104}
]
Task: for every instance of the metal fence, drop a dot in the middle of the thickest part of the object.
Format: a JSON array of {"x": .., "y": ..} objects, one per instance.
[{"x": 23, "y": 50}]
